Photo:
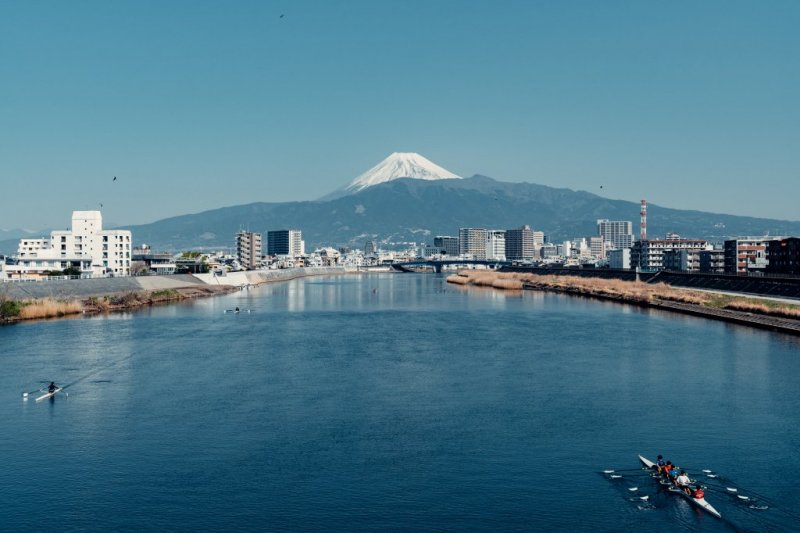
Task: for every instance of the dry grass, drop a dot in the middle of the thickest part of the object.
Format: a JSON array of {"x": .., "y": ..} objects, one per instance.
[
  {"x": 628, "y": 291},
  {"x": 49, "y": 308}
]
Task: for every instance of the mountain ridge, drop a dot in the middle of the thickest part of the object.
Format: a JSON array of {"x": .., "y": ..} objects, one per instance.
[{"x": 411, "y": 210}]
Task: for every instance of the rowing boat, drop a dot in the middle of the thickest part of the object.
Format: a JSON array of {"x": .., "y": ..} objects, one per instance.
[
  {"x": 699, "y": 502},
  {"x": 48, "y": 394}
]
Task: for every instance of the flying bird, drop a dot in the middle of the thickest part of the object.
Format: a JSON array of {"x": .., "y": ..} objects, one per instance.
[
  {"x": 281, "y": 15},
  {"x": 115, "y": 178}
]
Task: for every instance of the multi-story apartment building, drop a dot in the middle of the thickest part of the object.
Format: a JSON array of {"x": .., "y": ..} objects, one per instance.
[
  {"x": 496, "y": 245},
  {"x": 784, "y": 256},
  {"x": 712, "y": 261},
  {"x": 747, "y": 254},
  {"x": 649, "y": 254},
  {"x": 597, "y": 247},
  {"x": 620, "y": 259},
  {"x": 285, "y": 242},
  {"x": 87, "y": 246},
  {"x": 682, "y": 260},
  {"x": 619, "y": 233},
  {"x": 522, "y": 245},
  {"x": 370, "y": 248},
  {"x": 472, "y": 242},
  {"x": 446, "y": 245},
  {"x": 248, "y": 249}
]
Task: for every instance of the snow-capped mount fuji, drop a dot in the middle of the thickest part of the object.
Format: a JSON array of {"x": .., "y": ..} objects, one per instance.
[
  {"x": 401, "y": 165},
  {"x": 397, "y": 165}
]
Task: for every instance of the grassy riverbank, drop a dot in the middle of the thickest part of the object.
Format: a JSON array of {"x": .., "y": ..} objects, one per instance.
[
  {"x": 18, "y": 310},
  {"x": 627, "y": 291}
]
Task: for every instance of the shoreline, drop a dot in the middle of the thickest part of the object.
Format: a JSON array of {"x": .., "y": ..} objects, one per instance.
[
  {"x": 678, "y": 300},
  {"x": 69, "y": 298}
]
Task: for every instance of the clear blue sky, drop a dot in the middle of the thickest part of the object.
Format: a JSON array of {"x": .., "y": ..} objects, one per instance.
[{"x": 201, "y": 104}]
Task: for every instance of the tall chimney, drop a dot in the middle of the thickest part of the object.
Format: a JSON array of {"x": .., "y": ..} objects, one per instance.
[{"x": 643, "y": 222}]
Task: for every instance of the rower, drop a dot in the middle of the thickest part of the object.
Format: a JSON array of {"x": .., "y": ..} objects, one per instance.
[
  {"x": 683, "y": 482},
  {"x": 698, "y": 493},
  {"x": 666, "y": 469},
  {"x": 673, "y": 474},
  {"x": 660, "y": 463},
  {"x": 52, "y": 388}
]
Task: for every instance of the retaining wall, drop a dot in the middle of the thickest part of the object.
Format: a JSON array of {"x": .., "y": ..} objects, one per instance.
[{"x": 86, "y": 288}]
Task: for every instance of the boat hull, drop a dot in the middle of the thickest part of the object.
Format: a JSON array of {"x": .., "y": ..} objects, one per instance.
[
  {"x": 48, "y": 395},
  {"x": 699, "y": 502}
]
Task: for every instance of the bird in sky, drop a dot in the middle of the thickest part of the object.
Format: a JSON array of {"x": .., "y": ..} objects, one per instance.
[
  {"x": 115, "y": 178},
  {"x": 281, "y": 15}
]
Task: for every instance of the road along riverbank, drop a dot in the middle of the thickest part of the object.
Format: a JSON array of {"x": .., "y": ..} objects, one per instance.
[
  {"x": 58, "y": 298},
  {"x": 769, "y": 314}
]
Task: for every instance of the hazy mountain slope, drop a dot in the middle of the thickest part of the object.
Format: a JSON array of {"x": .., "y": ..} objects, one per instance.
[{"x": 415, "y": 210}]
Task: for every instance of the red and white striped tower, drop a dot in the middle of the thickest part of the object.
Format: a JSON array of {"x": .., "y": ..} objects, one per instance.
[{"x": 643, "y": 222}]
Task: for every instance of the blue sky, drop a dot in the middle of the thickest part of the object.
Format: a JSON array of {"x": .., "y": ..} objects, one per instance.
[{"x": 201, "y": 104}]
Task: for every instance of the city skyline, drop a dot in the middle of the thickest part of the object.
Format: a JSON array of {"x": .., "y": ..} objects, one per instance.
[{"x": 195, "y": 106}]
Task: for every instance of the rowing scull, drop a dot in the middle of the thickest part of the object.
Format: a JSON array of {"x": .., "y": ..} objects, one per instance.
[
  {"x": 48, "y": 394},
  {"x": 700, "y": 502}
]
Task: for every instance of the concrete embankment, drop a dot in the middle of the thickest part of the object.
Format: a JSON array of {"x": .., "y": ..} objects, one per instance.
[
  {"x": 88, "y": 288},
  {"x": 257, "y": 277}
]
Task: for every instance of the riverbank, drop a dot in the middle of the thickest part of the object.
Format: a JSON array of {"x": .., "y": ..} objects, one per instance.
[
  {"x": 755, "y": 312},
  {"x": 59, "y": 298}
]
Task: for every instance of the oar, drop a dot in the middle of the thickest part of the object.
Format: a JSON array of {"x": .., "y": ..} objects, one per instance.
[
  {"x": 25, "y": 394},
  {"x": 733, "y": 492},
  {"x": 622, "y": 470}
]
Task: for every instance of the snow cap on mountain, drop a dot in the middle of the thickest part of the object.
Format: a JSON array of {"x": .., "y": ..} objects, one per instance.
[{"x": 401, "y": 165}]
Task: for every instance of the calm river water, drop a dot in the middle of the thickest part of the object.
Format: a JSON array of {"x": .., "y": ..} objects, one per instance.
[{"x": 394, "y": 402}]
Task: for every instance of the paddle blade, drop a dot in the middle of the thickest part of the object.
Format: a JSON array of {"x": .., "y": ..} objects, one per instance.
[
  {"x": 633, "y": 489},
  {"x": 731, "y": 489}
]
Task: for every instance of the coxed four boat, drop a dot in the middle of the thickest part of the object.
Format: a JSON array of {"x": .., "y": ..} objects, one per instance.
[{"x": 699, "y": 502}]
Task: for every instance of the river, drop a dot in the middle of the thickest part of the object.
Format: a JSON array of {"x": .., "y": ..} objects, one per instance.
[{"x": 394, "y": 401}]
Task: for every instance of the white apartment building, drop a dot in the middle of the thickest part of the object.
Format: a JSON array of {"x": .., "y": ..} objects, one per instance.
[
  {"x": 496, "y": 245},
  {"x": 617, "y": 232},
  {"x": 87, "y": 246},
  {"x": 649, "y": 255}
]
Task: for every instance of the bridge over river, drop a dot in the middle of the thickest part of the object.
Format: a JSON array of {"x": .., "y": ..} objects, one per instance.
[{"x": 438, "y": 264}]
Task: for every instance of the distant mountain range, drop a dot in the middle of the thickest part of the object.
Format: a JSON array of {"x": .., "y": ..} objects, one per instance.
[{"x": 395, "y": 209}]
